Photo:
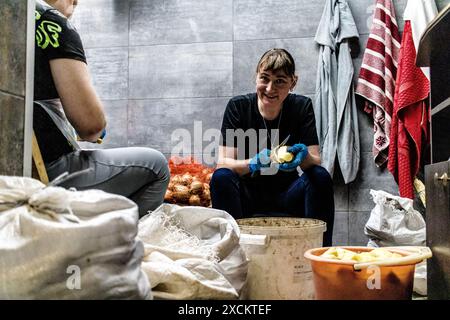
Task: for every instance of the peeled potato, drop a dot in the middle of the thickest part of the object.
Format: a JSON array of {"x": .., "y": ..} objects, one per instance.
[
  {"x": 281, "y": 155},
  {"x": 284, "y": 156}
]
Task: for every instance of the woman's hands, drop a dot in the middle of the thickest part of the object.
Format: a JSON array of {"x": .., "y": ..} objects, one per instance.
[
  {"x": 260, "y": 160},
  {"x": 300, "y": 152}
]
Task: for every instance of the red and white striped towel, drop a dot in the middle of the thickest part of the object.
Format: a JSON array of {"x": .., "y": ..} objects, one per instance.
[{"x": 376, "y": 82}]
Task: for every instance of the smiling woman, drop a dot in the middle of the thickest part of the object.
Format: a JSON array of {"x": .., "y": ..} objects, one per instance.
[{"x": 246, "y": 181}]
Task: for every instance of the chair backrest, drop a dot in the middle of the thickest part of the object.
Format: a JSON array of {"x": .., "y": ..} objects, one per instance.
[{"x": 39, "y": 171}]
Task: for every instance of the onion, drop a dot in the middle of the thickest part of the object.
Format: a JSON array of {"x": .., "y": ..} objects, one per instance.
[
  {"x": 176, "y": 179},
  {"x": 206, "y": 195},
  {"x": 186, "y": 179},
  {"x": 181, "y": 193},
  {"x": 194, "y": 200},
  {"x": 168, "y": 196},
  {"x": 196, "y": 187}
]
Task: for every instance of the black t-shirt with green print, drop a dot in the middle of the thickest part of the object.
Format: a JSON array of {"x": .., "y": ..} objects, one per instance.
[{"x": 55, "y": 38}]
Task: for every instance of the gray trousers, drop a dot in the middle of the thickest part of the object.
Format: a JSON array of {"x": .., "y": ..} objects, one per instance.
[{"x": 140, "y": 174}]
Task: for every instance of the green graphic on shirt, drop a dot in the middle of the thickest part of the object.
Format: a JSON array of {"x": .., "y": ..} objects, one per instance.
[
  {"x": 37, "y": 15},
  {"x": 47, "y": 33}
]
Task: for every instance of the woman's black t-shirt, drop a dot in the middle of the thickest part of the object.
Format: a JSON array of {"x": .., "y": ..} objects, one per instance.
[{"x": 296, "y": 120}]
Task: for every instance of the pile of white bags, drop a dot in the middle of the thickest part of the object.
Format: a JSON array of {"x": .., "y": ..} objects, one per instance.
[
  {"x": 61, "y": 244},
  {"x": 192, "y": 253},
  {"x": 394, "y": 222}
]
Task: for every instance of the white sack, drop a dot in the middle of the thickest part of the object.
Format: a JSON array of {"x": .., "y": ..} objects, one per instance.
[
  {"x": 192, "y": 253},
  {"x": 61, "y": 244}
]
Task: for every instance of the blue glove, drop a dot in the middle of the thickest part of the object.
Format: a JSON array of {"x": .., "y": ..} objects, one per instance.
[
  {"x": 100, "y": 139},
  {"x": 300, "y": 151},
  {"x": 260, "y": 160}
]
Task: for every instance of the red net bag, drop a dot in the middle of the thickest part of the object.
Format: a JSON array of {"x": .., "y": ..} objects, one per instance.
[{"x": 189, "y": 182}]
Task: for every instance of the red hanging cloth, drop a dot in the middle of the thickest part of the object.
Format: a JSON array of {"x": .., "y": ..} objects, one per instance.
[{"x": 410, "y": 121}]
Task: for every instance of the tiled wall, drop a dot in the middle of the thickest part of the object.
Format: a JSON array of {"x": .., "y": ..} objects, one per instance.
[
  {"x": 160, "y": 65},
  {"x": 13, "y": 17}
]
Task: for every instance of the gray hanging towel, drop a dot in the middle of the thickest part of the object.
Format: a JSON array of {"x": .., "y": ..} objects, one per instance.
[{"x": 335, "y": 107}]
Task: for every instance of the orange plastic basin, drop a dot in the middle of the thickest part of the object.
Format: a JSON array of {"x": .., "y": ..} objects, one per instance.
[{"x": 337, "y": 280}]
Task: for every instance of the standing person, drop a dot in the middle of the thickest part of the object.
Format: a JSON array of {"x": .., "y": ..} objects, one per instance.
[
  {"x": 65, "y": 99},
  {"x": 244, "y": 183}
]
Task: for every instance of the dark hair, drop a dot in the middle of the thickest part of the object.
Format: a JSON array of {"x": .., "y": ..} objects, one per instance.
[{"x": 277, "y": 59}]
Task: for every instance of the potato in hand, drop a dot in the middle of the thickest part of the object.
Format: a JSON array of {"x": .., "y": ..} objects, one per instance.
[{"x": 280, "y": 155}]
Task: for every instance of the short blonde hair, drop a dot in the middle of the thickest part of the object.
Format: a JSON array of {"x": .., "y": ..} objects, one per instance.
[{"x": 277, "y": 59}]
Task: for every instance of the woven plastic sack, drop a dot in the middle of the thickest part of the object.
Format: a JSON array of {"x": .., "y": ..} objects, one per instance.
[
  {"x": 61, "y": 244},
  {"x": 394, "y": 221},
  {"x": 192, "y": 253}
]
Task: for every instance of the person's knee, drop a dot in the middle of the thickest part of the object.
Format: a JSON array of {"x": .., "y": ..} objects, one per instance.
[
  {"x": 160, "y": 162},
  {"x": 319, "y": 176},
  {"x": 156, "y": 162},
  {"x": 222, "y": 177}
]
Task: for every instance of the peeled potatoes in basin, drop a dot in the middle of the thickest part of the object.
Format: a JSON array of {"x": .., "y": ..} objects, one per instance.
[
  {"x": 348, "y": 255},
  {"x": 280, "y": 155}
]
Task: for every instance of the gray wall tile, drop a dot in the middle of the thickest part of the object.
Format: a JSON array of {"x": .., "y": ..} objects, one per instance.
[
  {"x": 340, "y": 230},
  {"x": 357, "y": 61},
  {"x": 13, "y": 15},
  {"x": 370, "y": 177},
  {"x": 341, "y": 191},
  {"x": 152, "y": 122},
  {"x": 12, "y": 114},
  {"x": 362, "y": 11},
  {"x": 117, "y": 122},
  {"x": 247, "y": 54},
  {"x": 365, "y": 122},
  {"x": 267, "y": 19},
  {"x": 356, "y": 223},
  {"x": 102, "y": 23},
  {"x": 176, "y": 71},
  {"x": 341, "y": 196},
  {"x": 171, "y": 21},
  {"x": 109, "y": 70},
  {"x": 441, "y": 4}
]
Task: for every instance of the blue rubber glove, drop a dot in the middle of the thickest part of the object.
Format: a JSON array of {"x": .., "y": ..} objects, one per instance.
[
  {"x": 100, "y": 139},
  {"x": 300, "y": 151},
  {"x": 260, "y": 160}
]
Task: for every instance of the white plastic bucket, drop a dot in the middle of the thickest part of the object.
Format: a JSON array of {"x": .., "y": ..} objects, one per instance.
[{"x": 275, "y": 249}]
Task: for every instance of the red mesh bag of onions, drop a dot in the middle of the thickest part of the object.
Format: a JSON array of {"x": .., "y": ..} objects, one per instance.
[{"x": 189, "y": 182}]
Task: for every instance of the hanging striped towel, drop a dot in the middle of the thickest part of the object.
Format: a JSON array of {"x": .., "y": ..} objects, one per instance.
[{"x": 377, "y": 75}]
